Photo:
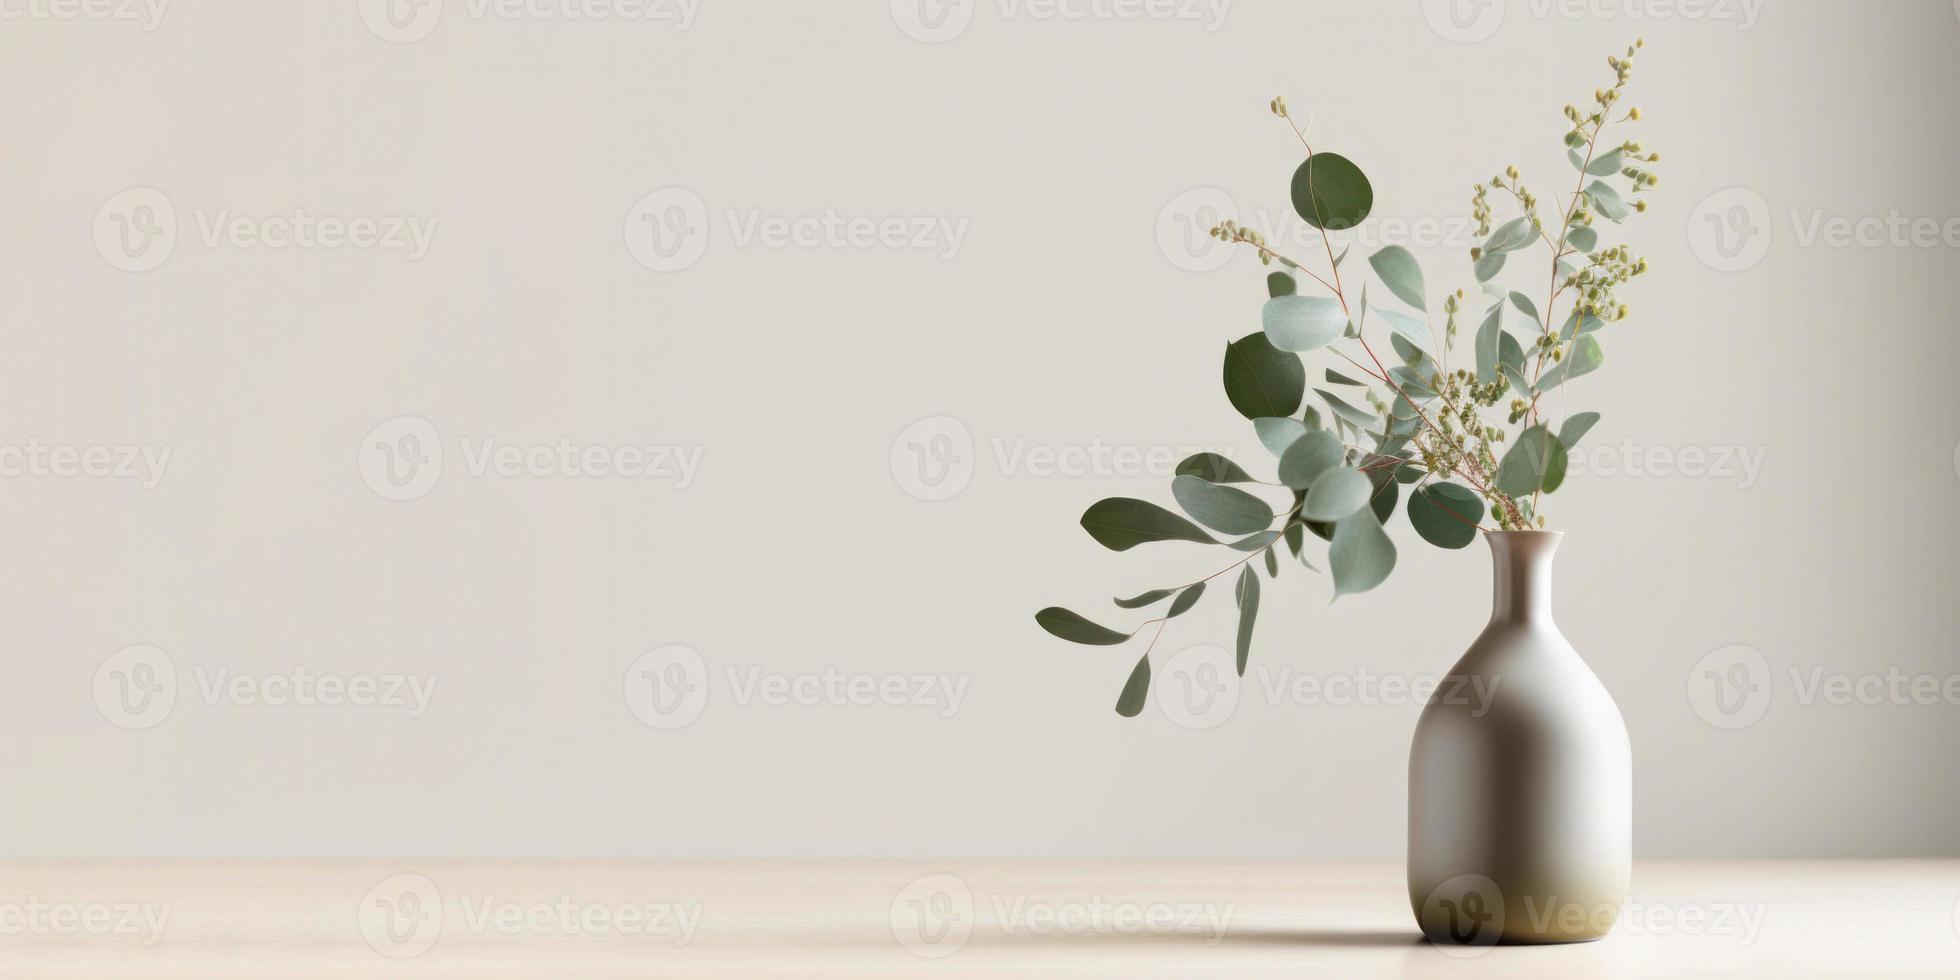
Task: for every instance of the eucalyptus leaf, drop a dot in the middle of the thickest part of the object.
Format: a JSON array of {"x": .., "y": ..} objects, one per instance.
[
  {"x": 1575, "y": 429},
  {"x": 1213, "y": 468},
  {"x": 1490, "y": 265},
  {"x": 1487, "y": 345},
  {"x": 1609, "y": 162},
  {"x": 1415, "y": 328},
  {"x": 1525, "y": 305},
  {"x": 1302, "y": 323},
  {"x": 1144, "y": 599},
  {"x": 1365, "y": 421},
  {"x": 1361, "y": 555},
  {"x": 1535, "y": 462},
  {"x": 1400, "y": 273},
  {"x": 1607, "y": 200},
  {"x": 1122, "y": 523},
  {"x": 1445, "y": 514},
  {"x": 1074, "y": 628},
  {"x": 1383, "y": 494},
  {"x": 1308, "y": 457},
  {"x": 1254, "y": 542},
  {"x": 1338, "y": 493},
  {"x": 1515, "y": 376},
  {"x": 1330, "y": 192},
  {"x": 1337, "y": 378},
  {"x": 1508, "y": 352},
  {"x": 1582, "y": 237},
  {"x": 1415, "y": 357},
  {"x": 1280, "y": 284},
  {"x": 1278, "y": 433},
  {"x": 1248, "y": 599},
  {"x": 1410, "y": 384},
  {"x": 1136, "y": 690},
  {"x": 1223, "y": 509},
  {"x": 1262, "y": 380},
  {"x": 1584, "y": 358},
  {"x": 1510, "y": 236},
  {"x": 1185, "y": 600},
  {"x": 1272, "y": 563}
]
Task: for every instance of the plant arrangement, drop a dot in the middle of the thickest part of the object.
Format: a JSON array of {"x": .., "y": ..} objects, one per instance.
[{"x": 1414, "y": 419}]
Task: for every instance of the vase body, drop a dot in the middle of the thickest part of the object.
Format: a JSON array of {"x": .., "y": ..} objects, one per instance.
[{"x": 1520, "y": 778}]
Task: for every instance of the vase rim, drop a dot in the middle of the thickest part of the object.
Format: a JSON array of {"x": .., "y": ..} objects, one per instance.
[{"x": 1524, "y": 533}]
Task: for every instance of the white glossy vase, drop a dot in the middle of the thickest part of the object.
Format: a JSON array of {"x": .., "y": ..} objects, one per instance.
[{"x": 1520, "y": 778}]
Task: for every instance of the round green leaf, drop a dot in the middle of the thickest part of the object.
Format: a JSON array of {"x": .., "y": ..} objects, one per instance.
[
  {"x": 1261, "y": 380},
  {"x": 1303, "y": 323},
  {"x": 1277, "y": 433},
  {"x": 1280, "y": 284},
  {"x": 1222, "y": 509},
  {"x": 1445, "y": 514},
  {"x": 1361, "y": 555},
  {"x": 1337, "y": 493},
  {"x": 1535, "y": 462},
  {"x": 1308, "y": 457},
  {"x": 1330, "y": 192}
]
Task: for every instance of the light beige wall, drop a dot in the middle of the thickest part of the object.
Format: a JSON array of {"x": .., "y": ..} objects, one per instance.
[{"x": 1047, "y": 313}]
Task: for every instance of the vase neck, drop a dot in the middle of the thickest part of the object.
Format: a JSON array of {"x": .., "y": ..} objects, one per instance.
[{"x": 1522, "y": 583}]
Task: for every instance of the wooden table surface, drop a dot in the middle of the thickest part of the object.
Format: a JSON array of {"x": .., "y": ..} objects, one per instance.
[{"x": 906, "y": 918}]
